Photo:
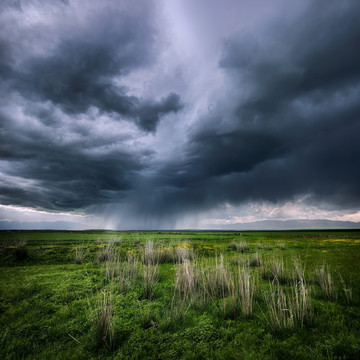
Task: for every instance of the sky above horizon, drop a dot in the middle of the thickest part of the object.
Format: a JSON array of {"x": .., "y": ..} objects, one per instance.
[{"x": 179, "y": 113}]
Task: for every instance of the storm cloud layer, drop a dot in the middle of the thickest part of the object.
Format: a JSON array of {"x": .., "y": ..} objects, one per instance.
[{"x": 147, "y": 112}]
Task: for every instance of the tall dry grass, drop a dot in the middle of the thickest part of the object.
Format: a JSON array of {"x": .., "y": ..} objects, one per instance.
[
  {"x": 202, "y": 281},
  {"x": 79, "y": 254},
  {"x": 186, "y": 281},
  {"x": 183, "y": 253},
  {"x": 262, "y": 246},
  {"x": 326, "y": 283},
  {"x": 288, "y": 308},
  {"x": 347, "y": 291},
  {"x": 255, "y": 261},
  {"x": 150, "y": 276},
  {"x": 103, "y": 319},
  {"x": 153, "y": 255},
  {"x": 107, "y": 252},
  {"x": 274, "y": 269},
  {"x": 214, "y": 278},
  {"x": 245, "y": 289},
  {"x": 241, "y": 246}
]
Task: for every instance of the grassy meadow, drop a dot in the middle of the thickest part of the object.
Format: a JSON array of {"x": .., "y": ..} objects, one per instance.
[{"x": 179, "y": 295}]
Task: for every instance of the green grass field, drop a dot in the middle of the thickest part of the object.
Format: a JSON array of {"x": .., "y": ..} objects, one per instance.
[{"x": 179, "y": 295}]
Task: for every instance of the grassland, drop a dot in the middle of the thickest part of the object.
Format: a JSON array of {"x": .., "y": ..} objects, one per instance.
[{"x": 172, "y": 295}]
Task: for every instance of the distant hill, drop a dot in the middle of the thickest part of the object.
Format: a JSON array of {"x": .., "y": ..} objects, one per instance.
[{"x": 292, "y": 225}]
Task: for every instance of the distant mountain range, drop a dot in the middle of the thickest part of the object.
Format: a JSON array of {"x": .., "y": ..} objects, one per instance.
[
  {"x": 256, "y": 225},
  {"x": 292, "y": 225}
]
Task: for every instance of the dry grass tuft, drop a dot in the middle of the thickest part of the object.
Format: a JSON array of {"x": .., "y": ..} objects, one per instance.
[
  {"x": 186, "y": 281},
  {"x": 103, "y": 319},
  {"x": 215, "y": 278},
  {"x": 107, "y": 253},
  {"x": 241, "y": 246},
  {"x": 255, "y": 261},
  {"x": 347, "y": 291},
  {"x": 150, "y": 276},
  {"x": 274, "y": 269},
  {"x": 184, "y": 253},
  {"x": 245, "y": 288},
  {"x": 262, "y": 246},
  {"x": 325, "y": 281},
  {"x": 79, "y": 254},
  {"x": 199, "y": 283},
  {"x": 288, "y": 309},
  {"x": 154, "y": 255}
]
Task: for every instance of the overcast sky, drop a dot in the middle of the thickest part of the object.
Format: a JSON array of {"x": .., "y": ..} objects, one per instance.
[{"x": 179, "y": 113}]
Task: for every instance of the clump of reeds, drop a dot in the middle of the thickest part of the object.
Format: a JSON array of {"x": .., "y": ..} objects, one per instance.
[
  {"x": 186, "y": 281},
  {"x": 201, "y": 282},
  {"x": 274, "y": 269},
  {"x": 298, "y": 271},
  {"x": 167, "y": 255},
  {"x": 255, "y": 261},
  {"x": 21, "y": 242},
  {"x": 239, "y": 261},
  {"x": 116, "y": 239},
  {"x": 241, "y": 246},
  {"x": 106, "y": 253},
  {"x": 262, "y": 246},
  {"x": 183, "y": 253},
  {"x": 325, "y": 281},
  {"x": 112, "y": 268},
  {"x": 122, "y": 273},
  {"x": 131, "y": 267},
  {"x": 79, "y": 254},
  {"x": 347, "y": 291},
  {"x": 281, "y": 245},
  {"x": 150, "y": 276},
  {"x": 150, "y": 255},
  {"x": 153, "y": 255},
  {"x": 233, "y": 245},
  {"x": 288, "y": 309},
  {"x": 215, "y": 278},
  {"x": 103, "y": 319},
  {"x": 245, "y": 287}
]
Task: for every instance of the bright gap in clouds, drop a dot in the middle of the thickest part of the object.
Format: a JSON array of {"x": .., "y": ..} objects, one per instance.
[
  {"x": 19, "y": 214},
  {"x": 291, "y": 210}
]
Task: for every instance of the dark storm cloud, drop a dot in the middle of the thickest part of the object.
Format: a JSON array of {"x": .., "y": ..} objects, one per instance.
[
  {"x": 5, "y": 68},
  {"x": 149, "y": 113},
  {"x": 51, "y": 175},
  {"x": 295, "y": 99},
  {"x": 54, "y": 152},
  {"x": 318, "y": 52},
  {"x": 81, "y": 71},
  {"x": 80, "y": 75},
  {"x": 54, "y": 156}
]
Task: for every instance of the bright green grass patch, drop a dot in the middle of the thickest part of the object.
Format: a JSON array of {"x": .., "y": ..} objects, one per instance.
[{"x": 118, "y": 295}]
